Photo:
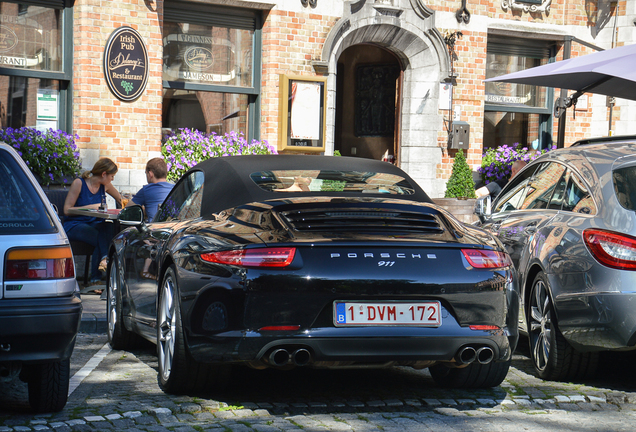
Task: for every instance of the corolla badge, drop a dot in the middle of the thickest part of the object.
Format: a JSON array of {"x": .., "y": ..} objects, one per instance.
[
  {"x": 8, "y": 39},
  {"x": 198, "y": 58}
]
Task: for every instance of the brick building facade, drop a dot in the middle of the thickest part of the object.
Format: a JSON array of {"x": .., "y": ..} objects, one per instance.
[{"x": 387, "y": 66}]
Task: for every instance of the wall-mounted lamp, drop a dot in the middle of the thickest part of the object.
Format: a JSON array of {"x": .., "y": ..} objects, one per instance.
[{"x": 463, "y": 14}]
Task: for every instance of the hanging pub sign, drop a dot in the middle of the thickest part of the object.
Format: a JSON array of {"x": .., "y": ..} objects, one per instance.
[{"x": 126, "y": 64}]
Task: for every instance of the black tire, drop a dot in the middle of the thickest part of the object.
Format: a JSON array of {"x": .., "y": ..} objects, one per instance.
[
  {"x": 473, "y": 376},
  {"x": 553, "y": 357},
  {"x": 179, "y": 373},
  {"x": 119, "y": 337},
  {"x": 48, "y": 386}
]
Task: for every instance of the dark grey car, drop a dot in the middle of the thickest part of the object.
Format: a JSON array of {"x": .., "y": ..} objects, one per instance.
[{"x": 568, "y": 222}]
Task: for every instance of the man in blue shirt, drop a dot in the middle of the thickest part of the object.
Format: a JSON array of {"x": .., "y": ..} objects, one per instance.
[
  {"x": 150, "y": 197},
  {"x": 155, "y": 192}
]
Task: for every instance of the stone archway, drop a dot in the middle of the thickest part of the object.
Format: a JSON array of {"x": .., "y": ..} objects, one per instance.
[{"x": 407, "y": 30}]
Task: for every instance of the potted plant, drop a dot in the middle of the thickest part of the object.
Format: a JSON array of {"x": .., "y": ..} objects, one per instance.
[
  {"x": 497, "y": 162},
  {"x": 186, "y": 148},
  {"x": 459, "y": 198},
  {"x": 51, "y": 154},
  {"x": 461, "y": 183}
]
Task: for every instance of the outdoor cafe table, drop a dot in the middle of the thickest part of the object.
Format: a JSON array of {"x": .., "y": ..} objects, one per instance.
[{"x": 111, "y": 215}]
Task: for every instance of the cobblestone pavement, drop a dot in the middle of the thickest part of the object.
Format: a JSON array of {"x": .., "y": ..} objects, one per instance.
[{"x": 122, "y": 393}]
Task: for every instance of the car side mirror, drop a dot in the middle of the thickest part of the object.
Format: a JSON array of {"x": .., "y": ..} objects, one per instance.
[
  {"x": 133, "y": 215},
  {"x": 483, "y": 208}
]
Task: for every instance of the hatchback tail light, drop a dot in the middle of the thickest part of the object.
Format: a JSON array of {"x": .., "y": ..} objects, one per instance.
[
  {"x": 612, "y": 249},
  {"x": 39, "y": 263},
  {"x": 486, "y": 259},
  {"x": 261, "y": 257}
]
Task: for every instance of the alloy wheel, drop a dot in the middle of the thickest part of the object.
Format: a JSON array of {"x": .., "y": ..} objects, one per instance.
[
  {"x": 166, "y": 327},
  {"x": 113, "y": 289},
  {"x": 541, "y": 325}
]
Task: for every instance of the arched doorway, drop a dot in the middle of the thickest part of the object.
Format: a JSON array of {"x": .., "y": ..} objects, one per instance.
[
  {"x": 419, "y": 48},
  {"x": 368, "y": 99}
]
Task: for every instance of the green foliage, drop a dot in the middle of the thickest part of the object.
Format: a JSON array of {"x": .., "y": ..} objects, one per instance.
[
  {"x": 332, "y": 186},
  {"x": 460, "y": 184}
]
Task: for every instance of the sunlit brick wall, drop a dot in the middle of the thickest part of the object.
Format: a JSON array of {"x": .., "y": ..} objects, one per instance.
[
  {"x": 127, "y": 132},
  {"x": 291, "y": 40}
]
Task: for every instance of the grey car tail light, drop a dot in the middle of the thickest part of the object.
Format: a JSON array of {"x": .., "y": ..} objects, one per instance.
[{"x": 612, "y": 249}]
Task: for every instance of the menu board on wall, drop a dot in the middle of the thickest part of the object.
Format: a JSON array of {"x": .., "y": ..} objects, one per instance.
[{"x": 303, "y": 104}]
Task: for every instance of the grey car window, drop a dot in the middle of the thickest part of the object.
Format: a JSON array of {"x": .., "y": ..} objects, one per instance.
[
  {"x": 514, "y": 192},
  {"x": 556, "y": 202},
  {"x": 542, "y": 185},
  {"x": 625, "y": 186},
  {"x": 577, "y": 197}
]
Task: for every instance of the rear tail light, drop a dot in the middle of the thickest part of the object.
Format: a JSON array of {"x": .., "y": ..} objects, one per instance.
[
  {"x": 39, "y": 263},
  {"x": 486, "y": 259},
  {"x": 262, "y": 257},
  {"x": 483, "y": 327},
  {"x": 280, "y": 328},
  {"x": 611, "y": 249}
]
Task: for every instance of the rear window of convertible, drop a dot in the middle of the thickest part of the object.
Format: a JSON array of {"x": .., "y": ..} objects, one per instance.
[
  {"x": 21, "y": 209},
  {"x": 332, "y": 181}
]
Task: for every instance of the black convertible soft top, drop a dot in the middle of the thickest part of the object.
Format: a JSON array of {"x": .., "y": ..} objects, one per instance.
[{"x": 228, "y": 183}]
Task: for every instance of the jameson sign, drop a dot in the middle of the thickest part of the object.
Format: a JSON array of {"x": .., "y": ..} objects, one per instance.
[{"x": 126, "y": 64}]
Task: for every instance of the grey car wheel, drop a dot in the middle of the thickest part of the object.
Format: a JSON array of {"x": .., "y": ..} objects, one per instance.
[{"x": 552, "y": 355}]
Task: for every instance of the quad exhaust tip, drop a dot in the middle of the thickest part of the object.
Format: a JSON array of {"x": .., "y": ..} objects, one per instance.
[
  {"x": 279, "y": 357},
  {"x": 485, "y": 355},
  {"x": 282, "y": 357},
  {"x": 468, "y": 354}
]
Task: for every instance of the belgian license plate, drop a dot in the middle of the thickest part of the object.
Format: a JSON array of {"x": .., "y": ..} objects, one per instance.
[{"x": 386, "y": 314}]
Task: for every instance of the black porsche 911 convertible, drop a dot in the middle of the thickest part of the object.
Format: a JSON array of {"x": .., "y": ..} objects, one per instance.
[{"x": 317, "y": 261}]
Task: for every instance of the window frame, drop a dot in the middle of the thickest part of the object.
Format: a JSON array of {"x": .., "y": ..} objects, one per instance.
[
  {"x": 519, "y": 46},
  {"x": 65, "y": 77},
  {"x": 229, "y": 17}
]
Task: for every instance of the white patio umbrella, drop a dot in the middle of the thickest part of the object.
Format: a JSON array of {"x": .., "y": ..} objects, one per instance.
[{"x": 611, "y": 72}]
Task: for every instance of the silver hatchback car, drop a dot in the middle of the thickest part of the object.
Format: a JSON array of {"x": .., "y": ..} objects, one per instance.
[
  {"x": 568, "y": 221},
  {"x": 40, "y": 306}
]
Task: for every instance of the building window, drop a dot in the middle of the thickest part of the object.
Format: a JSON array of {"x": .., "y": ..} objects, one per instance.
[
  {"x": 211, "y": 69},
  {"x": 35, "y": 38},
  {"x": 517, "y": 114}
]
